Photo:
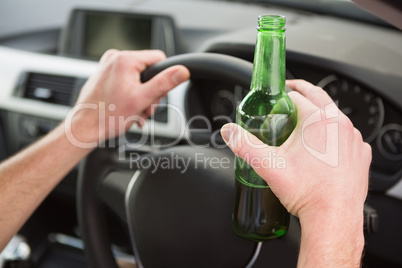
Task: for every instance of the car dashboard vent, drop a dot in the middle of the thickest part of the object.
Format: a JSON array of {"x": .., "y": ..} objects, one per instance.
[{"x": 49, "y": 88}]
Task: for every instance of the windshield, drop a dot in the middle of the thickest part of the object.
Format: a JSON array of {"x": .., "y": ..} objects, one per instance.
[
  {"x": 340, "y": 8},
  {"x": 37, "y": 16}
]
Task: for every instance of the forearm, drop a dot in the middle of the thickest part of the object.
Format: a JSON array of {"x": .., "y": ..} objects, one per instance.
[
  {"x": 335, "y": 240},
  {"x": 28, "y": 177}
]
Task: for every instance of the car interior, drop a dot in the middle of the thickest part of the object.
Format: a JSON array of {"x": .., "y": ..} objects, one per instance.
[{"x": 116, "y": 208}]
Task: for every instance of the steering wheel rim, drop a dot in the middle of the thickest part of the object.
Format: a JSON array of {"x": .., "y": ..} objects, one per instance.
[
  {"x": 207, "y": 65},
  {"x": 105, "y": 160}
]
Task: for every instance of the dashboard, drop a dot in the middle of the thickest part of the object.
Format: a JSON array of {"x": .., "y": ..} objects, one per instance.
[
  {"x": 375, "y": 113},
  {"x": 357, "y": 63}
]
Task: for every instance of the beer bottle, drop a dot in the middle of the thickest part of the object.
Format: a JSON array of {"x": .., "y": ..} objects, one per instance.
[{"x": 268, "y": 113}]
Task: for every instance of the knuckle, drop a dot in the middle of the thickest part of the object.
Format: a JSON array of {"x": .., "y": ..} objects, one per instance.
[
  {"x": 358, "y": 134},
  {"x": 156, "y": 53},
  {"x": 300, "y": 81},
  {"x": 293, "y": 93},
  {"x": 243, "y": 149},
  {"x": 161, "y": 53},
  {"x": 111, "y": 51},
  {"x": 121, "y": 58},
  {"x": 294, "y": 96},
  {"x": 300, "y": 84},
  {"x": 109, "y": 54},
  {"x": 322, "y": 91},
  {"x": 319, "y": 88},
  {"x": 346, "y": 124},
  {"x": 368, "y": 150},
  {"x": 346, "y": 128},
  {"x": 122, "y": 62}
]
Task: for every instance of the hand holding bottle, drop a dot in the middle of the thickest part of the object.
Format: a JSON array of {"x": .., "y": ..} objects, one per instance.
[
  {"x": 324, "y": 178},
  {"x": 268, "y": 113}
]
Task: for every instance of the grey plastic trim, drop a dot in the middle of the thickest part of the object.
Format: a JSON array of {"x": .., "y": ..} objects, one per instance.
[{"x": 129, "y": 217}]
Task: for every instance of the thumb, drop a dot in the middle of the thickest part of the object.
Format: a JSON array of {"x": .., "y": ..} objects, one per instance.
[
  {"x": 164, "y": 81},
  {"x": 249, "y": 148}
]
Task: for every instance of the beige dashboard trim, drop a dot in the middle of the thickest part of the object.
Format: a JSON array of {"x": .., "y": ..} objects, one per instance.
[{"x": 15, "y": 62}]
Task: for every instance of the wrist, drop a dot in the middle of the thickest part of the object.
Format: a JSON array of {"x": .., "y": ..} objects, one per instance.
[
  {"x": 332, "y": 238},
  {"x": 81, "y": 128}
]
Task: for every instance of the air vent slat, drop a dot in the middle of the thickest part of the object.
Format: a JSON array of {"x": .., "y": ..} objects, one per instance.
[
  {"x": 49, "y": 88},
  {"x": 52, "y": 83},
  {"x": 36, "y": 84}
]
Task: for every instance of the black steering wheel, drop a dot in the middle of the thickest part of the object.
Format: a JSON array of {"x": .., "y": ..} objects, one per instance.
[{"x": 175, "y": 218}]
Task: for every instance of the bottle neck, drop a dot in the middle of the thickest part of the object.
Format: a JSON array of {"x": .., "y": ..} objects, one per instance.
[{"x": 269, "y": 71}]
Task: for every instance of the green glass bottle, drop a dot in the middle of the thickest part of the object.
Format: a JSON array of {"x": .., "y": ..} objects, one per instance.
[{"x": 269, "y": 114}]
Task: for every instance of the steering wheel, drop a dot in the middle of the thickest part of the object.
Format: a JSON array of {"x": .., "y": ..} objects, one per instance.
[{"x": 174, "y": 218}]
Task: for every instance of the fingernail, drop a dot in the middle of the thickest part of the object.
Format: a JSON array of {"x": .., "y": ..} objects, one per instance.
[{"x": 226, "y": 132}]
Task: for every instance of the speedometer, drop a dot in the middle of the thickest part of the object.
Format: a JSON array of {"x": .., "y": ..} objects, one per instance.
[
  {"x": 364, "y": 108},
  {"x": 223, "y": 99}
]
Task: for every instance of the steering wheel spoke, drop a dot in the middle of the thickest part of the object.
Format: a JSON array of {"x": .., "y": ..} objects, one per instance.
[{"x": 112, "y": 191}]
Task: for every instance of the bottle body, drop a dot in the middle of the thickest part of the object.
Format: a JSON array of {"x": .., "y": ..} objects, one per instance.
[
  {"x": 259, "y": 215},
  {"x": 268, "y": 113}
]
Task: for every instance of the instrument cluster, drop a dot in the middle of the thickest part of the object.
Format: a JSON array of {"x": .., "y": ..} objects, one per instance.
[{"x": 378, "y": 120}]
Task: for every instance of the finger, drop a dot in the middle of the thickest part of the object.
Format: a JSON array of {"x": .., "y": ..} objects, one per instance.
[
  {"x": 151, "y": 109},
  {"x": 127, "y": 59},
  {"x": 146, "y": 57},
  {"x": 315, "y": 94},
  {"x": 148, "y": 112},
  {"x": 110, "y": 53},
  {"x": 136, "y": 61},
  {"x": 249, "y": 148},
  {"x": 142, "y": 120},
  {"x": 166, "y": 80},
  {"x": 131, "y": 61},
  {"x": 303, "y": 105}
]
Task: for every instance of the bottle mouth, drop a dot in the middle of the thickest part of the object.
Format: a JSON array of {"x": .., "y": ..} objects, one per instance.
[{"x": 271, "y": 22}]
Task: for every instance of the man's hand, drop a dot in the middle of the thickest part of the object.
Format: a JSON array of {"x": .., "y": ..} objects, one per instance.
[
  {"x": 29, "y": 176},
  {"x": 116, "y": 88},
  {"x": 325, "y": 180}
]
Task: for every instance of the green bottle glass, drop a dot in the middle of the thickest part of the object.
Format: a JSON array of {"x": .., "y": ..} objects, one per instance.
[{"x": 268, "y": 113}]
